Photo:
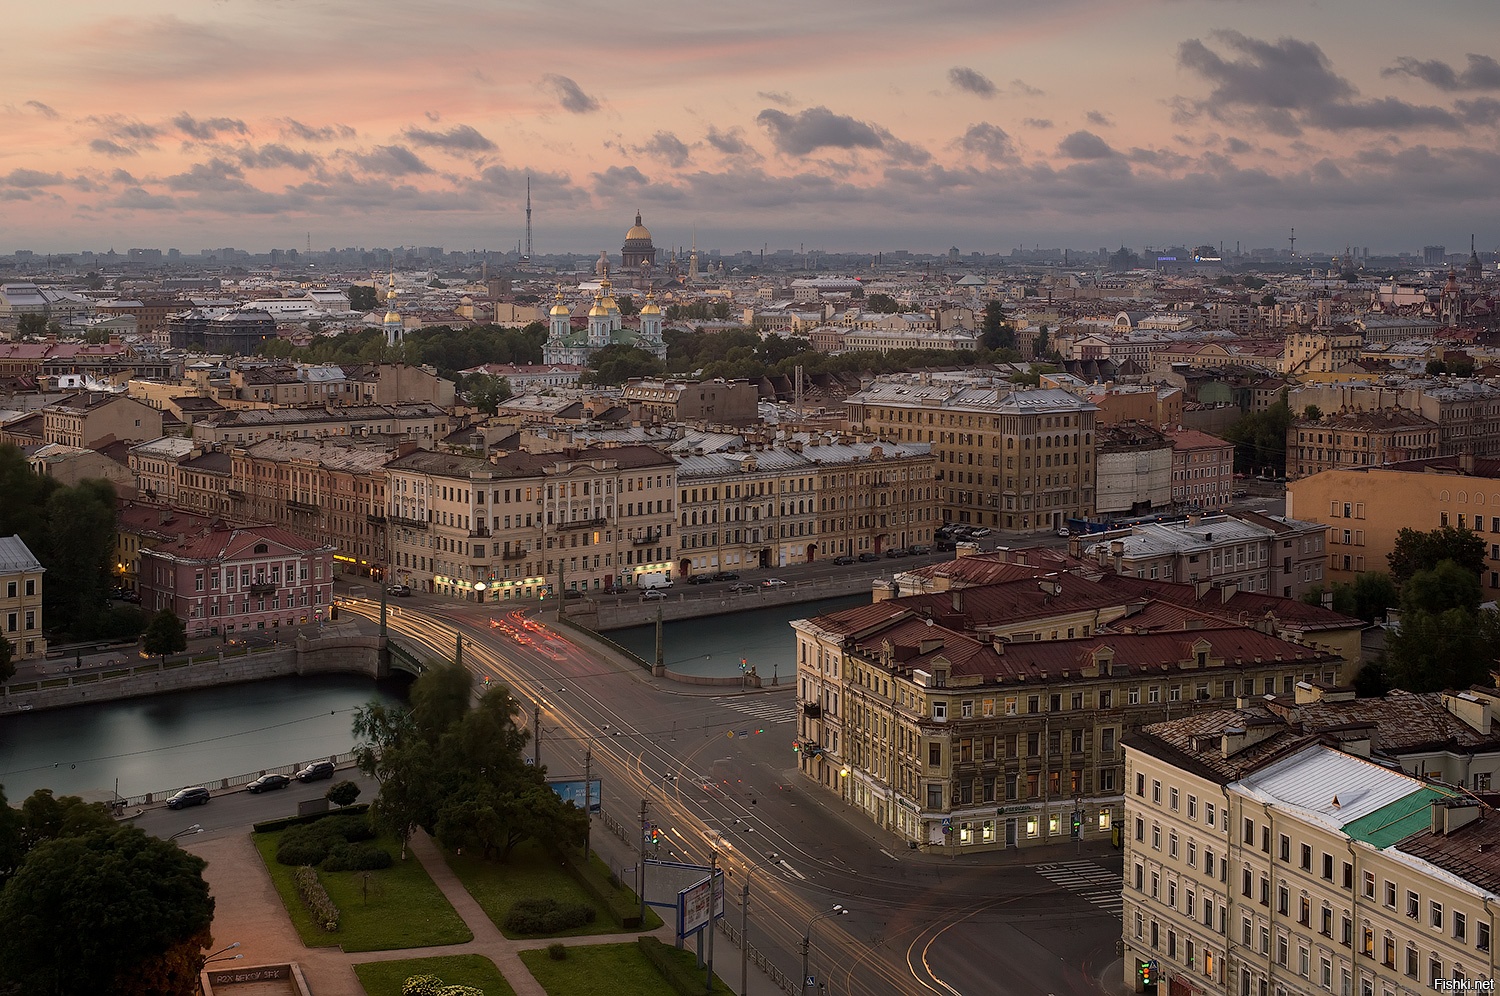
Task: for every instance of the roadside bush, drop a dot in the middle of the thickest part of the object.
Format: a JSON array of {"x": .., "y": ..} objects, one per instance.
[
  {"x": 545, "y": 915},
  {"x": 316, "y": 899},
  {"x": 557, "y": 952},
  {"x": 299, "y": 847},
  {"x": 675, "y": 973},
  {"x": 315, "y": 843},
  {"x": 363, "y": 856},
  {"x": 351, "y": 828}
]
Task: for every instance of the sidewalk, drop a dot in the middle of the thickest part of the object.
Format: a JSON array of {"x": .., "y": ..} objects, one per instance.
[{"x": 247, "y": 909}]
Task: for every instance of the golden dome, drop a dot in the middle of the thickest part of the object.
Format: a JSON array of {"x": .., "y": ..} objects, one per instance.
[
  {"x": 559, "y": 309},
  {"x": 598, "y": 310},
  {"x": 638, "y": 231},
  {"x": 650, "y": 308}
]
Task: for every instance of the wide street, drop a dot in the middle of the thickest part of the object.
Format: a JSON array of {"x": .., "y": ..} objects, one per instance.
[{"x": 717, "y": 771}]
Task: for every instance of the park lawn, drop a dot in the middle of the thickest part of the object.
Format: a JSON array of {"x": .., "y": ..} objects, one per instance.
[
  {"x": 532, "y": 871},
  {"x": 384, "y": 978},
  {"x": 606, "y": 970},
  {"x": 404, "y": 907}
]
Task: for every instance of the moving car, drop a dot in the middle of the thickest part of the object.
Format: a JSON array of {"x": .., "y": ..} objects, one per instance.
[
  {"x": 773, "y": 583},
  {"x": 843, "y": 561},
  {"x": 196, "y": 796},
  {"x": 895, "y": 551},
  {"x": 315, "y": 771},
  {"x": 701, "y": 579},
  {"x": 653, "y": 593},
  {"x": 1064, "y": 532},
  {"x": 869, "y": 558},
  {"x": 742, "y": 586},
  {"x": 726, "y": 576},
  {"x": 266, "y": 783},
  {"x": 399, "y": 590}
]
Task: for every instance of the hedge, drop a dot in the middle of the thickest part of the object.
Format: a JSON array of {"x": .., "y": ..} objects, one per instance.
[
  {"x": 545, "y": 915},
  {"x": 282, "y": 822},
  {"x": 623, "y": 908},
  {"x": 672, "y": 968},
  {"x": 316, "y": 899}
]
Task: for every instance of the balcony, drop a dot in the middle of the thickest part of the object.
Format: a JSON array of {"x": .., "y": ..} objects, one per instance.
[
  {"x": 481, "y": 531},
  {"x": 235, "y": 493},
  {"x": 262, "y": 588},
  {"x": 375, "y": 518},
  {"x": 513, "y": 555},
  {"x": 646, "y": 538},
  {"x": 812, "y": 710},
  {"x": 580, "y": 524},
  {"x": 301, "y": 506},
  {"x": 405, "y": 523}
]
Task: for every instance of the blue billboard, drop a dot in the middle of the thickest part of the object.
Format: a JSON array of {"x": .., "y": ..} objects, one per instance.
[{"x": 572, "y": 791}]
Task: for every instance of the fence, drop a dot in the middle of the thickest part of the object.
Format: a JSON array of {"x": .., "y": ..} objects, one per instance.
[
  {"x": 584, "y": 631},
  {"x": 232, "y": 782},
  {"x": 53, "y": 675}
]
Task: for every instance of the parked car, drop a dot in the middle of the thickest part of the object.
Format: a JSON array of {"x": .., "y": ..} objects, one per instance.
[
  {"x": 945, "y": 544},
  {"x": 652, "y": 594},
  {"x": 981, "y": 531},
  {"x": 742, "y": 586},
  {"x": 869, "y": 558},
  {"x": 1064, "y": 532},
  {"x": 843, "y": 561},
  {"x": 399, "y": 590},
  {"x": 196, "y": 796},
  {"x": 773, "y": 583},
  {"x": 919, "y": 549},
  {"x": 316, "y": 771},
  {"x": 572, "y": 593},
  {"x": 894, "y": 552},
  {"x": 266, "y": 783},
  {"x": 726, "y": 576},
  {"x": 701, "y": 579}
]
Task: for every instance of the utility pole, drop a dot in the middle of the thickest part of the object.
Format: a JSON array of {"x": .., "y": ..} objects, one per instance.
[
  {"x": 536, "y": 732},
  {"x": 458, "y": 649},
  {"x": 745, "y": 933},
  {"x": 659, "y": 636},
  {"x": 588, "y": 800},
  {"x": 713, "y": 908},
  {"x": 641, "y": 876}
]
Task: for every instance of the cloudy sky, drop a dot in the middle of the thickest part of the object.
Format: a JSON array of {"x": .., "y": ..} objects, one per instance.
[{"x": 876, "y": 124}]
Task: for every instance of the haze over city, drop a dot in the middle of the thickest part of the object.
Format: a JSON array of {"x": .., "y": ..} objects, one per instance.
[{"x": 839, "y": 126}]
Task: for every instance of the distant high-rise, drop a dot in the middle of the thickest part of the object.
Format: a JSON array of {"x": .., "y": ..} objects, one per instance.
[
  {"x": 527, "y": 257},
  {"x": 1434, "y": 255}
]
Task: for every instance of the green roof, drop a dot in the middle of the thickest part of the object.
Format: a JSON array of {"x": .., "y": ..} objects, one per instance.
[{"x": 1398, "y": 820}]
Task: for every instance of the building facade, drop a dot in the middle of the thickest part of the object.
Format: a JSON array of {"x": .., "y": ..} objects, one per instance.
[
  {"x": 1202, "y": 469},
  {"x": 21, "y": 599},
  {"x": 1358, "y": 439},
  {"x": 238, "y": 580}
]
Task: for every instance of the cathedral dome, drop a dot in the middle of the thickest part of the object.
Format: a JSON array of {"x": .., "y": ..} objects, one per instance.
[
  {"x": 638, "y": 251},
  {"x": 650, "y": 307},
  {"x": 559, "y": 309}
]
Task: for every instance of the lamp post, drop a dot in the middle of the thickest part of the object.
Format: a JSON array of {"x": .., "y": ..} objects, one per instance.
[
  {"x": 186, "y": 832},
  {"x": 745, "y": 932},
  {"x": 214, "y": 956},
  {"x": 837, "y": 910}
]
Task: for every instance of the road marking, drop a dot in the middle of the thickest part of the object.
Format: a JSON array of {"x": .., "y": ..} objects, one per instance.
[
  {"x": 888, "y": 854},
  {"x": 1087, "y": 880},
  {"x": 769, "y": 712},
  {"x": 794, "y": 871}
]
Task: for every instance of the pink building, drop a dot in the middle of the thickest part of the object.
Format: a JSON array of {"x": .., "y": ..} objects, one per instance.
[
  {"x": 233, "y": 580},
  {"x": 1202, "y": 469}
]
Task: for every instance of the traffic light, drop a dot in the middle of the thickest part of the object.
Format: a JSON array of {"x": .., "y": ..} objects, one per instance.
[
  {"x": 1147, "y": 976},
  {"x": 1077, "y": 824}
]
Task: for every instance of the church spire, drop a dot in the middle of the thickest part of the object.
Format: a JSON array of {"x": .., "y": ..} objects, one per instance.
[{"x": 395, "y": 329}]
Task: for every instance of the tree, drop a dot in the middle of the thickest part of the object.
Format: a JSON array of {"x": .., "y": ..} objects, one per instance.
[
  {"x": 1418, "y": 551},
  {"x": 1260, "y": 438},
  {"x": 1268, "y": 301},
  {"x": 1373, "y": 592},
  {"x": 486, "y": 392},
  {"x": 27, "y": 325},
  {"x": 1436, "y": 367},
  {"x": 165, "y": 634},
  {"x": 627, "y": 305},
  {"x": 1446, "y": 586},
  {"x": 994, "y": 331},
  {"x": 1435, "y": 651},
  {"x": 1312, "y": 413},
  {"x": 615, "y": 364},
  {"x": 78, "y": 555},
  {"x": 1041, "y": 347},
  {"x": 882, "y": 304},
  {"x": 343, "y": 794},
  {"x": 362, "y": 298},
  {"x": 7, "y": 660},
  {"x": 114, "y": 910}
]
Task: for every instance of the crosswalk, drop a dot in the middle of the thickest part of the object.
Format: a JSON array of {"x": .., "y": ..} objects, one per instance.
[
  {"x": 761, "y": 708},
  {"x": 1092, "y": 882}
]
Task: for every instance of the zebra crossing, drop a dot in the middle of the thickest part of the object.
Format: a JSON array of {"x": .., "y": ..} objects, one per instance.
[
  {"x": 1091, "y": 882},
  {"x": 762, "y": 709}
]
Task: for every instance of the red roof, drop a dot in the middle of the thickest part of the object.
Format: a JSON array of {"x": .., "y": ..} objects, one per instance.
[{"x": 235, "y": 543}]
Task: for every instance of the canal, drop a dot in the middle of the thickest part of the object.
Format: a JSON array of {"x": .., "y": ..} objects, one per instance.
[
  {"x": 714, "y": 645},
  {"x": 182, "y": 738}
]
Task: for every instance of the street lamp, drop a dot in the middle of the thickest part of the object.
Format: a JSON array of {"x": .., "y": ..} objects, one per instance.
[
  {"x": 807, "y": 937},
  {"x": 214, "y": 956},
  {"x": 188, "y": 832}
]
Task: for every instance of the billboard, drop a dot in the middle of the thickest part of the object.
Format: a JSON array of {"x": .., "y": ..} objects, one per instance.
[
  {"x": 697, "y": 902},
  {"x": 572, "y": 791}
]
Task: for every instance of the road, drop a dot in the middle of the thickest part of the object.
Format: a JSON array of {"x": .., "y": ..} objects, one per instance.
[
  {"x": 233, "y": 812},
  {"x": 716, "y": 772}
]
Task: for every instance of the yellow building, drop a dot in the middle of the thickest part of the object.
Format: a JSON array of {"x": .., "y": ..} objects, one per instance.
[
  {"x": 21, "y": 599},
  {"x": 1366, "y": 508}
]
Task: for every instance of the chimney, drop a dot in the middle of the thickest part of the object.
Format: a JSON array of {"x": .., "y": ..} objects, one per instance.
[
  {"x": 1449, "y": 815},
  {"x": 1471, "y": 710},
  {"x": 956, "y": 596}
]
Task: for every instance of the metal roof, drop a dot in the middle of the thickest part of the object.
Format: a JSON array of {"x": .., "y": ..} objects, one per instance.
[
  {"x": 1398, "y": 820},
  {"x": 1330, "y": 787},
  {"x": 15, "y": 557}
]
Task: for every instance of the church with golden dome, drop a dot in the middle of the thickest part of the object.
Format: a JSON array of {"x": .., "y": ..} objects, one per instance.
[
  {"x": 638, "y": 255},
  {"x": 605, "y": 327}
]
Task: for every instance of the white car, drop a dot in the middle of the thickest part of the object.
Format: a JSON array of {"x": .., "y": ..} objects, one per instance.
[
  {"x": 773, "y": 583},
  {"x": 653, "y": 593},
  {"x": 1063, "y": 532}
]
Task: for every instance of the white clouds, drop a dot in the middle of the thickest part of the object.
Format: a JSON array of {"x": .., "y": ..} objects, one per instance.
[{"x": 569, "y": 94}]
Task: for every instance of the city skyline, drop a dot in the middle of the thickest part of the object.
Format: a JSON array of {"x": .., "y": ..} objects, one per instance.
[{"x": 847, "y": 128}]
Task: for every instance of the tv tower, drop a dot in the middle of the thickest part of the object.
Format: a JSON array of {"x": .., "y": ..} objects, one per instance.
[
  {"x": 527, "y": 257},
  {"x": 1293, "y": 241}
]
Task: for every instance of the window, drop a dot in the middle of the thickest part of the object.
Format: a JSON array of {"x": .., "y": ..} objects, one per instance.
[
  {"x": 1192, "y": 807},
  {"x": 1328, "y": 867},
  {"x": 1172, "y": 845},
  {"x": 1281, "y": 900},
  {"x": 1482, "y": 930},
  {"x": 1156, "y": 792},
  {"x": 1249, "y": 833},
  {"x": 1172, "y": 799},
  {"x": 1411, "y": 960},
  {"x": 1305, "y": 857},
  {"x": 1304, "y": 911},
  {"x": 1155, "y": 837},
  {"x": 1435, "y": 911},
  {"x": 1140, "y": 829},
  {"x": 1413, "y": 904},
  {"x": 1208, "y": 815},
  {"x": 1326, "y": 924},
  {"x": 1284, "y": 848},
  {"x": 1460, "y": 926}
]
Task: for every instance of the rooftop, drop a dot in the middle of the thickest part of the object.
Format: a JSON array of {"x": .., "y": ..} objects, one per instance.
[{"x": 16, "y": 557}]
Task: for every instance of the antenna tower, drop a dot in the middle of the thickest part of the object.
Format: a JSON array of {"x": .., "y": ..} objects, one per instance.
[
  {"x": 1293, "y": 241},
  {"x": 527, "y": 257}
]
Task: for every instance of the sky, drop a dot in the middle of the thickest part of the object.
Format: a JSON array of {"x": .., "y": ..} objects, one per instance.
[{"x": 842, "y": 125}]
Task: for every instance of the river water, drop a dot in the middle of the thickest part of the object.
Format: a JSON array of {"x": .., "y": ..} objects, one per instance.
[
  {"x": 182, "y": 738},
  {"x": 714, "y": 645}
]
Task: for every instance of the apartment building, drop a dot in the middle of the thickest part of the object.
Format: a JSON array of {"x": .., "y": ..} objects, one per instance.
[
  {"x": 21, "y": 599},
  {"x": 721, "y": 402},
  {"x": 238, "y": 579},
  {"x": 154, "y": 466},
  {"x": 331, "y": 488},
  {"x": 92, "y": 419},
  {"x": 1255, "y": 552},
  {"x": 1309, "y": 351},
  {"x": 1018, "y": 461},
  {"x": 241, "y": 427},
  {"x": 1365, "y": 509},
  {"x": 992, "y": 716},
  {"x": 204, "y": 483},
  {"x": 1202, "y": 469},
  {"x": 1259, "y": 860},
  {"x": 1358, "y": 439},
  {"x": 509, "y": 527}
]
